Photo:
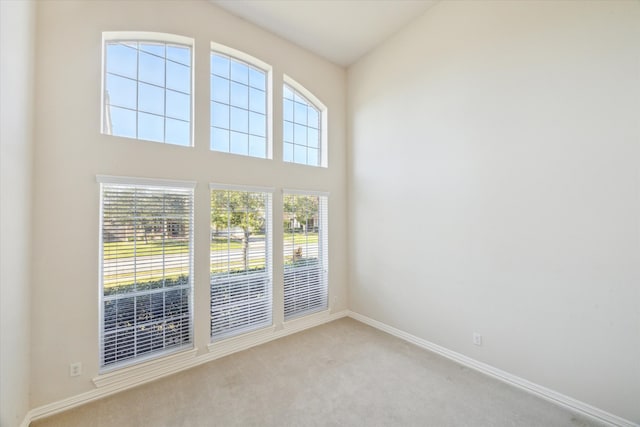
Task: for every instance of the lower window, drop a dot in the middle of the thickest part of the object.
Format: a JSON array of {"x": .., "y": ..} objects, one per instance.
[
  {"x": 240, "y": 261},
  {"x": 305, "y": 254},
  {"x": 146, "y": 273}
]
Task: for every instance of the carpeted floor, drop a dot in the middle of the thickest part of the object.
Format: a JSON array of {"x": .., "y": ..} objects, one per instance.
[{"x": 343, "y": 373}]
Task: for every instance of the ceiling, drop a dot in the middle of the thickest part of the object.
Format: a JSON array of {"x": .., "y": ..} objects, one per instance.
[{"x": 340, "y": 31}]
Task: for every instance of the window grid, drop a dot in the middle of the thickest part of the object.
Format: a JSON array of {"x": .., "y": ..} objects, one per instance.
[
  {"x": 238, "y": 107},
  {"x": 131, "y": 108},
  {"x": 305, "y": 245},
  {"x": 146, "y": 270},
  {"x": 241, "y": 299},
  {"x": 301, "y": 129}
]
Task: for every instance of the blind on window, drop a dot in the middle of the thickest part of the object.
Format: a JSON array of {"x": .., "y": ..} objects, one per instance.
[
  {"x": 147, "y": 260},
  {"x": 305, "y": 254},
  {"x": 240, "y": 262}
]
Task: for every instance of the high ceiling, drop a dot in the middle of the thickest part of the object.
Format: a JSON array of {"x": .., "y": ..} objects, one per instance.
[{"x": 338, "y": 30}]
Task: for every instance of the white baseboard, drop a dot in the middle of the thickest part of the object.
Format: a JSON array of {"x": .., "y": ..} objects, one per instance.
[
  {"x": 115, "y": 382},
  {"x": 538, "y": 390}
]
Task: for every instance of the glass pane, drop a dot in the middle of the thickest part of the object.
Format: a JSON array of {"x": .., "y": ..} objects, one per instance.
[
  {"x": 151, "y": 69},
  {"x": 150, "y": 127},
  {"x": 179, "y": 54},
  {"x": 257, "y": 124},
  {"x": 300, "y": 154},
  {"x": 288, "y": 93},
  {"x": 313, "y": 137},
  {"x": 314, "y": 118},
  {"x": 219, "y": 89},
  {"x": 288, "y": 131},
  {"x": 178, "y": 77},
  {"x": 120, "y": 91},
  {"x": 220, "y": 140},
  {"x": 178, "y": 132},
  {"x": 239, "y": 72},
  {"x": 154, "y": 48},
  {"x": 178, "y": 105},
  {"x": 257, "y": 79},
  {"x": 257, "y": 101},
  {"x": 257, "y": 146},
  {"x": 239, "y": 143},
  {"x": 239, "y": 120},
  {"x": 123, "y": 122},
  {"x": 220, "y": 115},
  {"x": 150, "y": 98},
  {"x": 288, "y": 152},
  {"x": 298, "y": 98},
  {"x": 239, "y": 95},
  {"x": 288, "y": 110},
  {"x": 122, "y": 60},
  {"x": 313, "y": 158},
  {"x": 300, "y": 113},
  {"x": 300, "y": 134},
  {"x": 220, "y": 65}
]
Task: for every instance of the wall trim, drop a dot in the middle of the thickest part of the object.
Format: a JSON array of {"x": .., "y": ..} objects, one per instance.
[
  {"x": 110, "y": 384},
  {"x": 521, "y": 383}
]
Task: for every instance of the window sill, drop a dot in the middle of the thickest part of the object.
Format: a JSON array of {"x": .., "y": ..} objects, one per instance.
[{"x": 147, "y": 370}]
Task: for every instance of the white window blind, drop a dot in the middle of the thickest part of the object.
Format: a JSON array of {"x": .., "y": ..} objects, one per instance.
[
  {"x": 147, "y": 87},
  {"x": 146, "y": 271},
  {"x": 305, "y": 254},
  {"x": 240, "y": 261}
]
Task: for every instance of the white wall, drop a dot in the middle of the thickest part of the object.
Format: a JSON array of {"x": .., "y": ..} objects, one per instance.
[
  {"x": 494, "y": 187},
  {"x": 70, "y": 151},
  {"x": 17, "y": 25}
]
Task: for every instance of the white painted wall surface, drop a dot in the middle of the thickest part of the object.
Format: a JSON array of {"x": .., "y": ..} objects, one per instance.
[
  {"x": 17, "y": 27},
  {"x": 494, "y": 187},
  {"x": 70, "y": 151}
]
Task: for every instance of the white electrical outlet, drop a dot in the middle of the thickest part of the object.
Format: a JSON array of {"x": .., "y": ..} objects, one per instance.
[
  {"x": 75, "y": 369},
  {"x": 477, "y": 338}
]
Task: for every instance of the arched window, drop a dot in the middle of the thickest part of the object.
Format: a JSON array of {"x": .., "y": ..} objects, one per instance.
[
  {"x": 147, "y": 86},
  {"x": 303, "y": 127}
]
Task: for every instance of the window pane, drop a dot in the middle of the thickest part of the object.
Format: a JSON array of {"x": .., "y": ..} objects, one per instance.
[
  {"x": 312, "y": 158},
  {"x": 123, "y": 122},
  {"x": 300, "y": 113},
  {"x": 220, "y": 139},
  {"x": 179, "y": 54},
  {"x": 288, "y": 152},
  {"x": 220, "y": 65},
  {"x": 220, "y": 115},
  {"x": 300, "y": 134},
  {"x": 288, "y": 110},
  {"x": 257, "y": 124},
  {"x": 239, "y": 143},
  {"x": 288, "y": 93},
  {"x": 122, "y": 60},
  {"x": 150, "y": 127},
  {"x": 154, "y": 48},
  {"x": 178, "y": 105},
  {"x": 257, "y": 101},
  {"x": 239, "y": 72},
  {"x": 177, "y": 132},
  {"x": 239, "y": 120},
  {"x": 151, "y": 69},
  {"x": 314, "y": 118},
  {"x": 300, "y": 154},
  {"x": 150, "y": 99},
  {"x": 304, "y": 132},
  {"x": 313, "y": 137},
  {"x": 257, "y": 146},
  {"x": 178, "y": 77},
  {"x": 239, "y": 95},
  {"x": 288, "y": 131},
  {"x": 220, "y": 89},
  {"x": 120, "y": 91},
  {"x": 257, "y": 79}
]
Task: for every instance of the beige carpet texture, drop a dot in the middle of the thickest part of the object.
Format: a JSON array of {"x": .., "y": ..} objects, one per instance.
[{"x": 343, "y": 373}]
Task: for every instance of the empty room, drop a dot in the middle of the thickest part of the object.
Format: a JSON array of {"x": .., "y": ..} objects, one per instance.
[{"x": 320, "y": 213}]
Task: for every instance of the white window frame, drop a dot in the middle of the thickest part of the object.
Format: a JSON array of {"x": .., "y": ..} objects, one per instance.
[
  {"x": 146, "y": 36},
  {"x": 149, "y": 183},
  {"x": 252, "y": 61},
  {"x": 324, "y": 113},
  {"x": 268, "y": 191},
  {"x": 323, "y": 252}
]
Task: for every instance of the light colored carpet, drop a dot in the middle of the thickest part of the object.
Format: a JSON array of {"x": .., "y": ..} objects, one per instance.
[{"x": 343, "y": 373}]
